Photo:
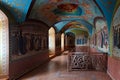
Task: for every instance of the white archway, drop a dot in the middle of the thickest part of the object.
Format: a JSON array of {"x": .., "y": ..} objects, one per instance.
[
  {"x": 52, "y": 41},
  {"x": 4, "y": 44},
  {"x": 62, "y": 42}
]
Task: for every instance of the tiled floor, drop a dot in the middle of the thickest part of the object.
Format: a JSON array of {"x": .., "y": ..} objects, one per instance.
[{"x": 56, "y": 69}]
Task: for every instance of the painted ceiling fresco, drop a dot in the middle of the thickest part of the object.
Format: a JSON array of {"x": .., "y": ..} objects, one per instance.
[
  {"x": 18, "y": 8},
  {"x": 68, "y": 9},
  {"x": 61, "y": 24},
  {"x": 53, "y": 11},
  {"x": 74, "y": 25}
]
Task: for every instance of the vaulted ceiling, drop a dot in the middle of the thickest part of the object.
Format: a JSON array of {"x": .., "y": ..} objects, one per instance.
[{"x": 59, "y": 13}]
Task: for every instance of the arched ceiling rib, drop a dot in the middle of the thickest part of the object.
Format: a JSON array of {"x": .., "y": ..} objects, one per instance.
[
  {"x": 61, "y": 24},
  {"x": 107, "y": 7},
  {"x": 77, "y": 31},
  {"x": 75, "y": 25},
  {"x": 52, "y": 11}
]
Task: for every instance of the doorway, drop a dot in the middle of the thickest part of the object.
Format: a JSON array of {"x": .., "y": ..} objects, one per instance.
[
  {"x": 62, "y": 42},
  {"x": 51, "y": 42}
]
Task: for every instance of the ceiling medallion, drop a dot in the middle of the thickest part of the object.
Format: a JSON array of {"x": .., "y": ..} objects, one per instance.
[{"x": 68, "y": 7}]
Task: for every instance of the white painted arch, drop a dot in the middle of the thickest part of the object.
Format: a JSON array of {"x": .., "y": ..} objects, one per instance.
[
  {"x": 4, "y": 44},
  {"x": 52, "y": 40},
  {"x": 62, "y": 42}
]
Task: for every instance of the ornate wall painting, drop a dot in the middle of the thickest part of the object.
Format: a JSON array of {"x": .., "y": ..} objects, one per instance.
[
  {"x": 98, "y": 39},
  {"x": 102, "y": 35},
  {"x": 94, "y": 40},
  {"x": 116, "y": 33},
  {"x": 107, "y": 6},
  {"x": 26, "y": 41}
]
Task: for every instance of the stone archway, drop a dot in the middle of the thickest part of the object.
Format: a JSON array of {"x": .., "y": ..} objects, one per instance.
[
  {"x": 4, "y": 45},
  {"x": 62, "y": 42},
  {"x": 51, "y": 41}
]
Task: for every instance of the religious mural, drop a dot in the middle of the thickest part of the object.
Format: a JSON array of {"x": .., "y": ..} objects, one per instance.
[
  {"x": 93, "y": 41},
  {"x": 101, "y": 37},
  {"x": 26, "y": 42},
  {"x": 107, "y": 6},
  {"x": 116, "y": 33}
]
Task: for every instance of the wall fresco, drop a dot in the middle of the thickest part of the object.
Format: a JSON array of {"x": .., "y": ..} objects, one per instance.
[
  {"x": 102, "y": 42},
  {"x": 27, "y": 40},
  {"x": 107, "y": 7},
  {"x": 116, "y": 33}
]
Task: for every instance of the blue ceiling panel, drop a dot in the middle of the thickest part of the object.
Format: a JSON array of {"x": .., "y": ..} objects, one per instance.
[
  {"x": 18, "y": 8},
  {"x": 61, "y": 24},
  {"x": 107, "y": 7}
]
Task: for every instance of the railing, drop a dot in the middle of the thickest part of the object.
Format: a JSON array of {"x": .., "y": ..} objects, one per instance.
[{"x": 85, "y": 61}]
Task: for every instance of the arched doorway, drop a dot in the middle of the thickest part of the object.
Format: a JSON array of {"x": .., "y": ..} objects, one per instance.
[
  {"x": 51, "y": 41},
  {"x": 4, "y": 45},
  {"x": 69, "y": 40},
  {"x": 62, "y": 42}
]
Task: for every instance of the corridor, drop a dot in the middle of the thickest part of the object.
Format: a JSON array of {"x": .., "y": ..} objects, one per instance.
[
  {"x": 56, "y": 69},
  {"x": 33, "y": 31}
]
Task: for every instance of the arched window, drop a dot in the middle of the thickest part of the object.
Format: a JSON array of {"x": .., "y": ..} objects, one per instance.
[
  {"x": 52, "y": 41},
  {"x": 62, "y": 42}
]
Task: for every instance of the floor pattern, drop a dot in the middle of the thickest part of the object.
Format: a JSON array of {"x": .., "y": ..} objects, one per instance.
[{"x": 56, "y": 69}]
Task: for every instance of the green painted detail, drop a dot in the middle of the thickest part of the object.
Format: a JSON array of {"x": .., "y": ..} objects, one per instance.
[
  {"x": 116, "y": 6},
  {"x": 79, "y": 32},
  {"x": 111, "y": 41},
  {"x": 111, "y": 32}
]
